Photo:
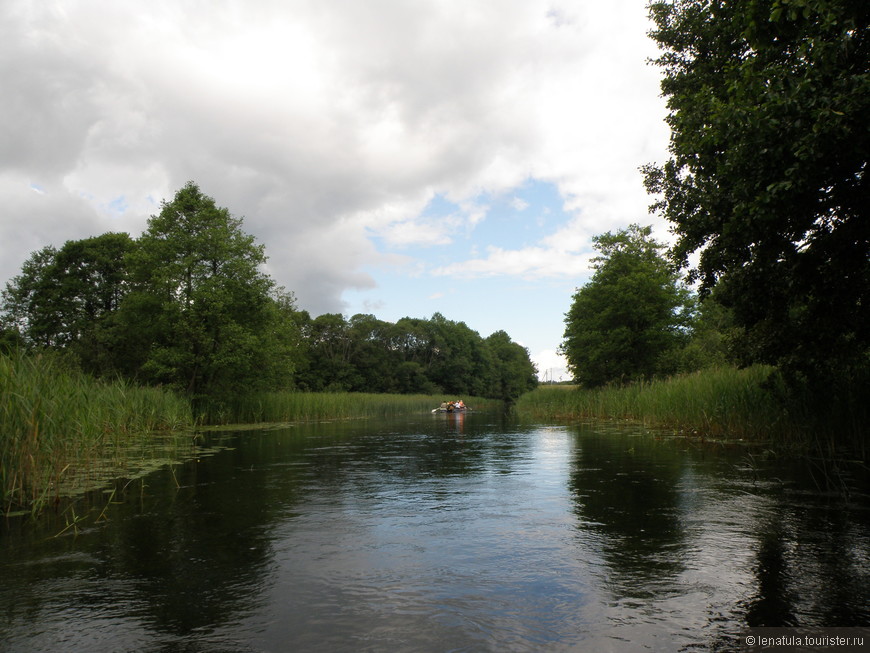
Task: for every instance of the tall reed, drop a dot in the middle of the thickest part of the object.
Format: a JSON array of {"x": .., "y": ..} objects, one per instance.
[
  {"x": 56, "y": 421},
  {"x": 289, "y": 406},
  {"x": 726, "y": 401}
]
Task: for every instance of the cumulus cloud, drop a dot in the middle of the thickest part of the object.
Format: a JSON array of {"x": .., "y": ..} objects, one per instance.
[
  {"x": 519, "y": 204},
  {"x": 325, "y": 125},
  {"x": 528, "y": 263},
  {"x": 551, "y": 366}
]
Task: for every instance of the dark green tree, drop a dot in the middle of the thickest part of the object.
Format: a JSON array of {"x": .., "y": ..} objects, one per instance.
[
  {"x": 202, "y": 316},
  {"x": 769, "y": 107},
  {"x": 460, "y": 363},
  {"x": 65, "y": 299},
  {"x": 714, "y": 340},
  {"x": 413, "y": 340},
  {"x": 411, "y": 344},
  {"x": 426, "y": 356},
  {"x": 329, "y": 345},
  {"x": 513, "y": 371},
  {"x": 10, "y": 340},
  {"x": 371, "y": 355},
  {"x": 28, "y": 300},
  {"x": 629, "y": 321}
]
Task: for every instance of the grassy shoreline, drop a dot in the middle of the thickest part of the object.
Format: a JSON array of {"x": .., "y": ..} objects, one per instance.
[
  {"x": 59, "y": 426},
  {"x": 727, "y": 403},
  {"x": 287, "y": 406},
  {"x": 721, "y": 402},
  {"x": 62, "y": 431}
]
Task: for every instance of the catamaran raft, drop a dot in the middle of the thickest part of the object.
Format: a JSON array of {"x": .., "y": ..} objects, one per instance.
[{"x": 452, "y": 407}]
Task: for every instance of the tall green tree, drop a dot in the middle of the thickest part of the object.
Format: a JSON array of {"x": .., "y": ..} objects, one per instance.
[
  {"x": 202, "y": 316},
  {"x": 65, "y": 299},
  {"x": 370, "y": 356},
  {"x": 714, "y": 340},
  {"x": 428, "y": 356},
  {"x": 28, "y": 300},
  {"x": 630, "y": 320},
  {"x": 514, "y": 373},
  {"x": 412, "y": 346},
  {"x": 329, "y": 344},
  {"x": 460, "y": 363},
  {"x": 769, "y": 107}
]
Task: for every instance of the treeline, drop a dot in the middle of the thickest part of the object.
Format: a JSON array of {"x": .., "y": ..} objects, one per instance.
[
  {"x": 635, "y": 335},
  {"x": 635, "y": 320},
  {"x": 188, "y": 306},
  {"x": 424, "y": 356}
]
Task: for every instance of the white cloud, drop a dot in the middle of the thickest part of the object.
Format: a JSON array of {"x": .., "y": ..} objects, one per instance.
[
  {"x": 551, "y": 365},
  {"x": 519, "y": 204},
  {"x": 417, "y": 233},
  {"x": 527, "y": 263},
  {"x": 323, "y": 124}
]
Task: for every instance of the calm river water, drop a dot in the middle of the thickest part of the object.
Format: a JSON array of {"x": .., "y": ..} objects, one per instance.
[{"x": 441, "y": 533}]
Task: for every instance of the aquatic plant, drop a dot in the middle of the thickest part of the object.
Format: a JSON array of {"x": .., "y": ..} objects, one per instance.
[
  {"x": 725, "y": 401},
  {"x": 307, "y": 406},
  {"x": 57, "y": 423}
]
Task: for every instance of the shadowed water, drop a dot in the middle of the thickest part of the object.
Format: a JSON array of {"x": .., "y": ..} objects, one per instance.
[{"x": 440, "y": 533}]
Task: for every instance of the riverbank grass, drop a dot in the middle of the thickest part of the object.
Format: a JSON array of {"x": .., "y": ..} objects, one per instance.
[
  {"x": 720, "y": 402},
  {"x": 63, "y": 432},
  {"x": 58, "y": 426},
  {"x": 726, "y": 402},
  {"x": 270, "y": 407}
]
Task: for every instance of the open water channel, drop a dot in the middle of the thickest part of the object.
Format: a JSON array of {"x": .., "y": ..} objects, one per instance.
[{"x": 441, "y": 533}]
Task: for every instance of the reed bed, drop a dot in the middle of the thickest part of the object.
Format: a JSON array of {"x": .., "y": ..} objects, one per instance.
[
  {"x": 61, "y": 429},
  {"x": 719, "y": 402},
  {"x": 57, "y": 423},
  {"x": 310, "y": 406}
]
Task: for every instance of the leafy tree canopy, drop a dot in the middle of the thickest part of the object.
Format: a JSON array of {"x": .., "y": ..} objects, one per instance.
[
  {"x": 414, "y": 355},
  {"x": 202, "y": 315},
  {"x": 514, "y": 373},
  {"x": 769, "y": 107},
  {"x": 64, "y": 299},
  {"x": 630, "y": 319},
  {"x": 188, "y": 305}
]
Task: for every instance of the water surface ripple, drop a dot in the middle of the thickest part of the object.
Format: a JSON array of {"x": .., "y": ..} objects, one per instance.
[{"x": 441, "y": 533}]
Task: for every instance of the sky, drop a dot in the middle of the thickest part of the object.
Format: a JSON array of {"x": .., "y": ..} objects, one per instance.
[{"x": 395, "y": 158}]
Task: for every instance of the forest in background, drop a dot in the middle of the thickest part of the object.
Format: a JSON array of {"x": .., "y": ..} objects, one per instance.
[{"x": 188, "y": 306}]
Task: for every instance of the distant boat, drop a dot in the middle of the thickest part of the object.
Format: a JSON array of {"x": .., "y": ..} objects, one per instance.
[{"x": 452, "y": 409}]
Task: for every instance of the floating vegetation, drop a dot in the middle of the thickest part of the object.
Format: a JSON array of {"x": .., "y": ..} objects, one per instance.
[{"x": 63, "y": 432}]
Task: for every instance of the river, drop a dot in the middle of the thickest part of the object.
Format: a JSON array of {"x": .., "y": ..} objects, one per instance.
[{"x": 442, "y": 533}]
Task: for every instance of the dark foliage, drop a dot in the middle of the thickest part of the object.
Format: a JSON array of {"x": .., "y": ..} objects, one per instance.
[{"x": 769, "y": 107}]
